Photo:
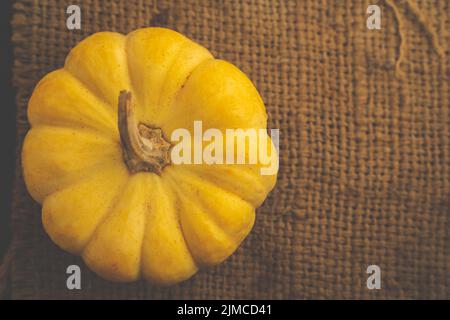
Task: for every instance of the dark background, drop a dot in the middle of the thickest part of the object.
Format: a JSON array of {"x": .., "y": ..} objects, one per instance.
[{"x": 7, "y": 125}]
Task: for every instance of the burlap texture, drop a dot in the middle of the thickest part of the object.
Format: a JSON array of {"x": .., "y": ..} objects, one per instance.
[{"x": 364, "y": 148}]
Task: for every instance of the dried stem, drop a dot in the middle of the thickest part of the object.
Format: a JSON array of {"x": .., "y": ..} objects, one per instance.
[{"x": 144, "y": 147}]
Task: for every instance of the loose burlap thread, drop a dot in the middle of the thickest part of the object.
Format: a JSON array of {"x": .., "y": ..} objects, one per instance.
[{"x": 364, "y": 146}]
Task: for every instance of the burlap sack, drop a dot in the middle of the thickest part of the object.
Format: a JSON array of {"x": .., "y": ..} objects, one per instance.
[{"x": 363, "y": 114}]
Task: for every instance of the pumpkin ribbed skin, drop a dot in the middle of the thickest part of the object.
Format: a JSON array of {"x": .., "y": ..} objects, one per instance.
[{"x": 162, "y": 227}]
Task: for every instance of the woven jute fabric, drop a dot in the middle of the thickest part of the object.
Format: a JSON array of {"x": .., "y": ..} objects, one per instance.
[{"x": 364, "y": 145}]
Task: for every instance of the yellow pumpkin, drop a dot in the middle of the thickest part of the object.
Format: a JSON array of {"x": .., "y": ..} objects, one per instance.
[{"x": 107, "y": 196}]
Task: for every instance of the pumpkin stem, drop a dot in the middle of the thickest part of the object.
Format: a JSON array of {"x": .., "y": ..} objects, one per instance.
[{"x": 144, "y": 147}]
